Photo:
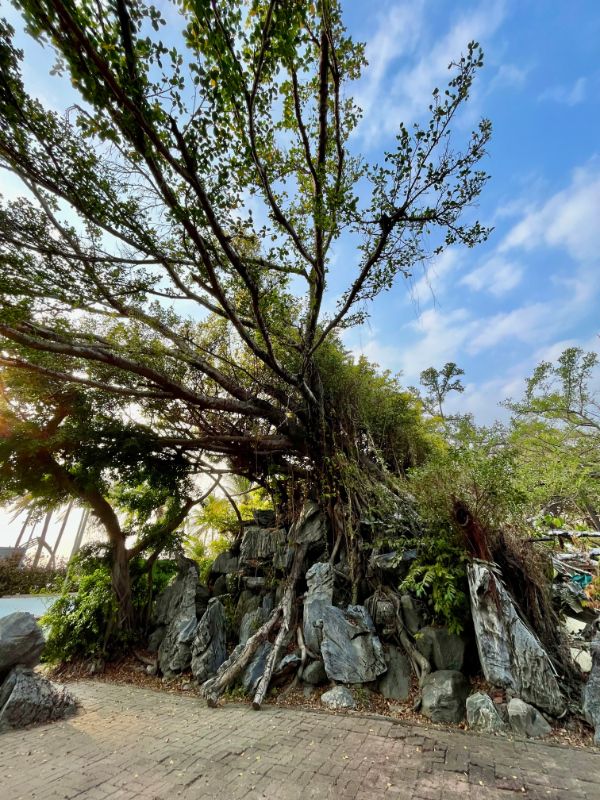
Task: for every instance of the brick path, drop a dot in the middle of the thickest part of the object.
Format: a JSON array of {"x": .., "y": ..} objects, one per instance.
[{"x": 137, "y": 743}]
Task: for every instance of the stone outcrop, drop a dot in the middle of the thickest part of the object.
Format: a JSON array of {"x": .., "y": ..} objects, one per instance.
[
  {"x": 444, "y": 696},
  {"x": 352, "y": 652},
  {"x": 310, "y": 527},
  {"x": 338, "y": 697},
  {"x": 176, "y": 610},
  {"x": 260, "y": 545},
  {"x": 209, "y": 647},
  {"x": 396, "y": 682},
  {"x": 27, "y": 698},
  {"x": 525, "y": 720},
  {"x": 314, "y": 673},
  {"x": 482, "y": 714},
  {"x": 21, "y": 641},
  {"x": 510, "y": 654},
  {"x": 319, "y": 596},
  {"x": 443, "y": 649},
  {"x": 224, "y": 564},
  {"x": 591, "y": 691}
]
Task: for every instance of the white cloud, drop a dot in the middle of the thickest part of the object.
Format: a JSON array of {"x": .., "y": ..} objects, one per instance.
[
  {"x": 389, "y": 98},
  {"x": 509, "y": 76},
  {"x": 432, "y": 283},
  {"x": 566, "y": 95},
  {"x": 497, "y": 276},
  {"x": 568, "y": 219}
]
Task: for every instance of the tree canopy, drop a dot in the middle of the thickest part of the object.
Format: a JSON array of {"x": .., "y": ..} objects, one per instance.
[{"x": 174, "y": 244}]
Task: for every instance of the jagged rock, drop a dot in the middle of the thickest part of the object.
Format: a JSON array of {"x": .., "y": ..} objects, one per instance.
[
  {"x": 310, "y": 527},
  {"x": 254, "y": 582},
  {"x": 248, "y": 601},
  {"x": 283, "y": 557},
  {"x": 395, "y": 684},
  {"x": 411, "y": 613},
  {"x": 314, "y": 673},
  {"x": 338, "y": 697},
  {"x": 254, "y": 670},
  {"x": 259, "y": 544},
  {"x": 251, "y": 622},
  {"x": 21, "y": 641},
  {"x": 591, "y": 691},
  {"x": 264, "y": 518},
  {"x": 510, "y": 654},
  {"x": 352, "y": 653},
  {"x": 29, "y": 699},
  {"x": 286, "y": 667},
  {"x": 209, "y": 646},
  {"x": 526, "y": 720},
  {"x": 156, "y": 638},
  {"x": 225, "y": 564},
  {"x": 319, "y": 595},
  {"x": 176, "y": 609},
  {"x": 220, "y": 586},
  {"x": 391, "y": 565},
  {"x": 443, "y": 696},
  {"x": 443, "y": 649},
  {"x": 482, "y": 714}
]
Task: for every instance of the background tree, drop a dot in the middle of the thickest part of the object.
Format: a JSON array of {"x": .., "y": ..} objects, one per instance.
[
  {"x": 59, "y": 444},
  {"x": 438, "y": 384},
  {"x": 215, "y": 174}
]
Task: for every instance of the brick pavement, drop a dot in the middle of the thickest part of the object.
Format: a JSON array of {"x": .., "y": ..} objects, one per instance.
[{"x": 136, "y": 743}]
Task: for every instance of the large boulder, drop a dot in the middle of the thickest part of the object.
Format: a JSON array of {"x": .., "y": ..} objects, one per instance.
[
  {"x": 392, "y": 566},
  {"x": 443, "y": 649},
  {"x": 255, "y": 669},
  {"x": 176, "y": 610},
  {"x": 395, "y": 684},
  {"x": 314, "y": 673},
  {"x": 352, "y": 652},
  {"x": 320, "y": 578},
  {"x": 259, "y": 545},
  {"x": 482, "y": 714},
  {"x": 310, "y": 527},
  {"x": 21, "y": 641},
  {"x": 591, "y": 691},
  {"x": 411, "y": 613},
  {"x": 444, "y": 694},
  {"x": 525, "y": 720},
  {"x": 209, "y": 649},
  {"x": 27, "y": 698},
  {"x": 511, "y": 656},
  {"x": 338, "y": 697},
  {"x": 224, "y": 564}
]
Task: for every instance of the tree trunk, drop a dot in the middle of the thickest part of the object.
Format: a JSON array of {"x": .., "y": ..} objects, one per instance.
[{"x": 121, "y": 584}]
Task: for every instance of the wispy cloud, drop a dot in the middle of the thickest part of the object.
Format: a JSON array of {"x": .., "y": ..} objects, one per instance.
[
  {"x": 569, "y": 95},
  {"x": 497, "y": 276}
]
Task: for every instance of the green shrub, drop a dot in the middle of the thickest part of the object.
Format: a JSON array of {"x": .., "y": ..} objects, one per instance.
[{"x": 16, "y": 579}]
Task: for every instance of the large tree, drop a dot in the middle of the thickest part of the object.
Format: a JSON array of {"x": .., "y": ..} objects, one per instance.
[{"x": 176, "y": 240}]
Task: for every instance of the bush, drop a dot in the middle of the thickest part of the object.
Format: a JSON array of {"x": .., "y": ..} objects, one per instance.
[
  {"x": 16, "y": 579},
  {"x": 81, "y": 623}
]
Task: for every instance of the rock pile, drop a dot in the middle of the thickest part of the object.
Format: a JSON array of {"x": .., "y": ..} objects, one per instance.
[
  {"x": 277, "y": 609},
  {"x": 26, "y": 698}
]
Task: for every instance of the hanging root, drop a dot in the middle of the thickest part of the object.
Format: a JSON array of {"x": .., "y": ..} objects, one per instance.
[
  {"x": 237, "y": 662},
  {"x": 420, "y": 664}
]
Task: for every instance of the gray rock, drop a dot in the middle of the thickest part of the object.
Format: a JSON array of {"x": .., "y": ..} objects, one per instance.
[
  {"x": 283, "y": 557},
  {"x": 395, "y": 684},
  {"x": 338, "y": 697},
  {"x": 391, "y": 565},
  {"x": 311, "y": 525},
  {"x": 287, "y": 666},
  {"x": 248, "y": 601},
  {"x": 254, "y": 582},
  {"x": 177, "y": 611},
  {"x": 253, "y": 672},
  {"x": 260, "y": 544},
  {"x": 443, "y": 696},
  {"x": 251, "y": 622},
  {"x": 314, "y": 673},
  {"x": 220, "y": 586},
  {"x": 383, "y": 614},
  {"x": 443, "y": 649},
  {"x": 209, "y": 646},
  {"x": 411, "y": 613},
  {"x": 224, "y": 564},
  {"x": 29, "y": 699},
  {"x": 351, "y": 651},
  {"x": 21, "y": 641},
  {"x": 525, "y": 720},
  {"x": 511, "y": 656},
  {"x": 156, "y": 638},
  {"x": 264, "y": 518},
  {"x": 482, "y": 714},
  {"x": 591, "y": 691},
  {"x": 320, "y": 579}
]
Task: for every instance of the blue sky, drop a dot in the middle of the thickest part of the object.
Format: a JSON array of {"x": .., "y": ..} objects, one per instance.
[{"x": 534, "y": 287}]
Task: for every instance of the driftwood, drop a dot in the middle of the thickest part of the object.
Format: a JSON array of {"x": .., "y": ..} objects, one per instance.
[
  {"x": 551, "y": 536},
  {"x": 420, "y": 664},
  {"x": 237, "y": 662}
]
